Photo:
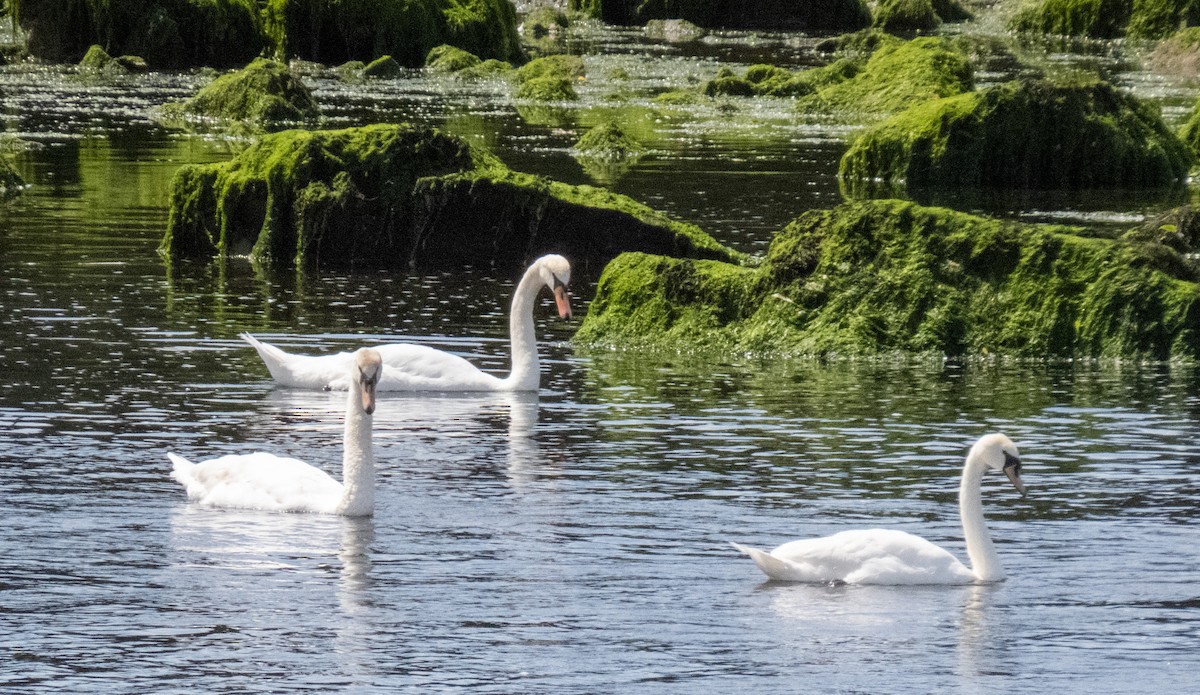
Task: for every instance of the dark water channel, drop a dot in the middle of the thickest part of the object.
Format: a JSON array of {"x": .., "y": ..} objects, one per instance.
[{"x": 569, "y": 543}]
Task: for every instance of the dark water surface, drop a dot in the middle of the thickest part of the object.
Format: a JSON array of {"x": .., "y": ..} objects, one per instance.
[{"x": 571, "y": 543}]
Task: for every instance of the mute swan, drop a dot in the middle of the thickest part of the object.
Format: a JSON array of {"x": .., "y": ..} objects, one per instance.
[
  {"x": 276, "y": 483},
  {"x": 881, "y": 556},
  {"x": 409, "y": 367}
]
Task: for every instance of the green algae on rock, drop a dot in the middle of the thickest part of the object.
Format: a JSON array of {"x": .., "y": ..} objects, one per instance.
[
  {"x": 402, "y": 196},
  {"x": 1107, "y": 19},
  {"x": 1029, "y": 134},
  {"x": 447, "y": 58},
  {"x": 382, "y": 68},
  {"x": 167, "y": 34},
  {"x": 1180, "y": 53},
  {"x": 809, "y": 15},
  {"x": 674, "y": 30},
  {"x": 883, "y": 277},
  {"x": 906, "y": 15},
  {"x": 1190, "y": 132},
  {"x": 264, "y": 93},
  {"x": 11, "y": 182},
  {"x": 550, "y": 78},
  {"x": 608, "y": 141},
  {"x": 896, "y": 76},
  {"x": 774, "y": 81}
]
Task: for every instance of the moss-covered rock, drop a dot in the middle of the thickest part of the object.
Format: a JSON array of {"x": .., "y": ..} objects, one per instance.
[
  {"x": 1190, "y": 132},
  {"x": 97, "y": 59},
  {"x": 11, "y": 181},
  {"x": 544, "y": 22},
  {"x": 1029, "y": 134},
  {"x": 448, "y": 59},
  {"x": 608, "y": 141},
  {"x": 897, "y": 75},
  {"x": 168, "y": 34},
  {"x": 547, "y": 88},
  {"x": 774, "y": 81},
  {"x": 570, "y": 67},
  {"x": 382, "y": 68},
  {"x": 264, "y": 93},
  {"x": 402, "y": 196},
  {"x": 906, "y": 15},
  {"x": 809, "y": 15},
  {"x": 890, "y": 276},
  {"x": 1107, "y": 19}
]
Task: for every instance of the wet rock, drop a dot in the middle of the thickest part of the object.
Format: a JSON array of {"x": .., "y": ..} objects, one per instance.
[
  {"x": 897, "y": 75},
  {"x": 448, "y": 59},
  {"x": 774, "y": 81},
  {"x": 1179, "y": 54},
  {"x": 1107, "y": 19},
  {"x": 403, "y": 196},
  {"x": 98, "y": 60},
  {"x": 886, "y": 277},
  {"x": 382, "y": 68},
  {"x": 336, "y": 31},
  {"x": 173, "y": 34},
  {"x": 544, "y": 23},
  {"x": 608, "y": 141},
  {"x": 821, "y": 15},
  {"x": 264, "y": 93},
  {"x": 1028, "y": 134},
  {"x": 550, "y": 78},
  {"x": 674, "y": 31}
]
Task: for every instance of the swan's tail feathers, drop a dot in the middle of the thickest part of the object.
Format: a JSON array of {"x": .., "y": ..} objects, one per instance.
[
  {"x": 273, "y": 357},
  {"x": 183, "y": 471},
  {"x": 771, "y": 566}
]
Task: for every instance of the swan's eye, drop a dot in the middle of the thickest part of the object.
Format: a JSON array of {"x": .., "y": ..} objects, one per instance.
[{"x": 1011, "y": 461}]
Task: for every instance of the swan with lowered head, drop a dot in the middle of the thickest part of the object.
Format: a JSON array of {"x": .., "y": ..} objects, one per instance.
[
  {"x": 409, "y": 367},
  {"x": 883, "y": 556},
  {"x": 277, "y": 483}
]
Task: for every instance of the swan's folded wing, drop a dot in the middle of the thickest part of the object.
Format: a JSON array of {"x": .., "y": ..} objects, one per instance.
[
  {"x": 410, "y": 367},
  {"x": 875, "y": 556},
  {"x": 263, "y": 481}
]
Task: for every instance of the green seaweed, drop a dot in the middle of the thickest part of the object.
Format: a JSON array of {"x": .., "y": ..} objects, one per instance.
[
  {"x": 448, "y": 59},
  {"x": 884, "y": 277},
  {"x": 1099, "y": 19},
  {"x": 401, "y": 196},
  {"x": 608, "y": 140},
  {"x": 896, "y": 76},
  {"x": 1029, "y": 134},
  {"x": 906, "y": 16},
  {"x": 264, "y": 93},
  {"x": 548, "y": 88}
]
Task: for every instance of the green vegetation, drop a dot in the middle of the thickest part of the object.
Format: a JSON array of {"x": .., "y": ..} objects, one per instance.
[
  {"x": 544, "y": 22},
  {"x": 769, "y": 80},
  {"x": 382, "y": 68},
  {"x": 11, "y": 182},
  {"x": 1107, "y": 19},
  {"x": 1190, "y": 133},
  {"x": 608, "y": 141},
  {"x": 551, "y": 78},
  {"x": 1178, "y": 54},
  {"x": 1030, "y": 134},
  {"x": 447, "y": 59},
  {"x": 897, "y": 75},
  {"x": 264, "y": 93},
  {"x": 906, "y": 15},
  {"x": 167, "y": 34},
  {"x": 890, "y": 276},
  {"x": 674, "y": 30},
  {"x": 401, "y": 195}
]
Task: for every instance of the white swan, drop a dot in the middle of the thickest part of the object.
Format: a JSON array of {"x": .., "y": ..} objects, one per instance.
[
  {"x": 276, "y": 483},
  {"x": 409, "y": 367},
  {"x": 881, "y": 556}
]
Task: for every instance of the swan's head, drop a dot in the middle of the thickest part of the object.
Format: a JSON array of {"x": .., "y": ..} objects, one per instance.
[
  {"x": 368, "y": 367},
  {"x": 1000, "y": 454},
  {"x": 555, "y": 271}
]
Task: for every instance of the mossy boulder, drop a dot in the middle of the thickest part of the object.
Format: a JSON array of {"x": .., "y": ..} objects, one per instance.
[
  {"x": 544, "y": 23},
  {"x": 809, "y": 15},
  {"x": 906, "y": 16},
  {"x": 774, "y": 81},
  {"x": 884, "y": 277},
  {"x": 264, "y": 93},
  {"x": 550, "y": 78},
  {"x": 674, "y": 31},
  {"x": 11, "y": 181},
  {"x": 547, "y": 89},
  {"x": 896, "y": 76},
  {"x": 1107, "y": 19},
  {"x": 167, "y": 34},
  {"x": 1029, "y": 135},
  {"x": 336, "y": 31},
  {"x": 1190, "y": 133},
  {"x": 402, "y": 196},
  {"x": 382, "y": 68},
  {"x": 448, "y": 59}
]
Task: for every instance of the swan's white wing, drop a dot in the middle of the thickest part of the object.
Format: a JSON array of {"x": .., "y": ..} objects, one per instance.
[
  {"x": 873, "y": 556},
  {"x": 259, "y": 481}
]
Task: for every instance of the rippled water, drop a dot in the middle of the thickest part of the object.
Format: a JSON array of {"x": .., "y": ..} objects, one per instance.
[{"x": 570, "y": 543}]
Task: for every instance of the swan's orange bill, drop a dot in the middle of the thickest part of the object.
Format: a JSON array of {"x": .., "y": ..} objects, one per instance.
[
  {"x": 563, "y": 300},
  {"x": 368, "y": 396},
  {"x": 1014, "y": 475}
]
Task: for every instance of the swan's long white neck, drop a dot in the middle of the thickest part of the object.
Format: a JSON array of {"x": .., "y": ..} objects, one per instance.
[
  {"x": 525, "y": 367},
  {"x": 358, "y": 459},
  {"x": 984, "y": 561}
]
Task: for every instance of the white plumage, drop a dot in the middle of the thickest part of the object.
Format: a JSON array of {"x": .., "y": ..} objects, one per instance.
[
  {"x": 888, "y": 556},
  {"x": 409, "y": 367},
  {"x": 278, "y": 483}
]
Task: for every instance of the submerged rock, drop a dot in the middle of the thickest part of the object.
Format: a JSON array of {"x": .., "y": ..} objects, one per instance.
[
  {"x": 550, "y": 78},
  {"x": 173, "y": 34},
  {"x": 403, "y": 196},
  {"x": 889, "y": 276},
  {"x": 1030, "y": 134},
  {"x": 264, "y": 93},
  {"x": 608, "y": 141},
  {"x": 808, "y": 15}
]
